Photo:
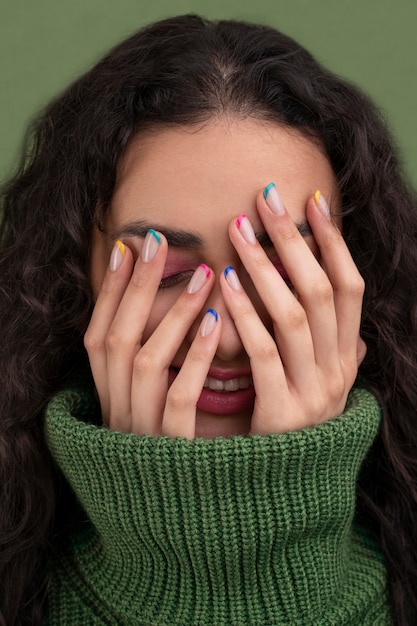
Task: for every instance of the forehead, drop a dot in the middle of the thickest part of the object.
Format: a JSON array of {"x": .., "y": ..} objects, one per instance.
[{"x": 184, "y": 175}]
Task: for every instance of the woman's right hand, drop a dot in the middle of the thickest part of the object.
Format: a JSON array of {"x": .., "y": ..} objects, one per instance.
[{"x": 130, "y": 370}]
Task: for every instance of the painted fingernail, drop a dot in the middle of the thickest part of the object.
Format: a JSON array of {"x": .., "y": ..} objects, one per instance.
[
  {"x": 199, "y": 278},
  {"x": 150, "y": 245},
  {"x": 321, "y": 204},
  {"x": 273, "y": 199},
  {"x": 245, "y": 228},
  {"x": 117, "y": 255},
  {"x": 209, "y": 322},
  {"x": 232, "y": 278}
]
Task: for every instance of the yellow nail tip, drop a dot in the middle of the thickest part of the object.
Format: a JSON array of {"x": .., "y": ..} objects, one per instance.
[
  {"x": 121, "y": 246},
  {"x": 317, "y": 196}
]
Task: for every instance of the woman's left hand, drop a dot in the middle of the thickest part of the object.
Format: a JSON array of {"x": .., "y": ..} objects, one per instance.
[{"x": 305, "y": 367}]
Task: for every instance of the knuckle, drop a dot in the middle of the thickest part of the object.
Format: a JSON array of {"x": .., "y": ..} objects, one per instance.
[
  {"x": 335, "y": 389},
  {"x": 261, "y": 261},
  {"x": 266, "y": 352},
  {"x": 331, "y": 236},
  {"x": 198, "y": 355},
  {"x": 319, "y": 410},
  {"x": 139, "y": 279},
  {"x": 353, "y": 287},
  {"x": 246, "y": 310},
  {"x": 143, "y": 363},
  {"x": 115, "y": 342},
  {"x": 322, "y": 292},
  {"x": 93, "y": 343},
  {"x": 184, "y": 308},
  {"x": 296, "y": 319},
  {"x": 358, "y": 286},
  {"x": 289, "y": 233},
  {"x": 177, "y": 400}
]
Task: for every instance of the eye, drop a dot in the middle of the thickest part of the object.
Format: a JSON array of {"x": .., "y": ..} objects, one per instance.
[{"x": 172, "y": 280}]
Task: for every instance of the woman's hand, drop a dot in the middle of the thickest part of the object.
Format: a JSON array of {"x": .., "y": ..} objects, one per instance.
[
  {"x": 304, "y": 372},
  {"x": 303, "y": 367},
  {"x": 131, "y": 376}
]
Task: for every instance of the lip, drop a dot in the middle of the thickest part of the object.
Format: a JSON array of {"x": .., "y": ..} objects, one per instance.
[
  {"x": 221, "y": 374},
  {"x": 224, "y": 403}
]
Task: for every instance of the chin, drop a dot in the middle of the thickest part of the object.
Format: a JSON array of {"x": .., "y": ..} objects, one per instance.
[{"x": 209, "y": 425}]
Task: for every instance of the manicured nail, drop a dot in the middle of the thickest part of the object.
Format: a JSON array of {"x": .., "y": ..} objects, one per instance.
[
  {"x": 245, "y": 228},
  {"x": 321, "y": 204},
  {"x": 273, "y": 199},
  {"x": 232, "y": 278},
  {"x": 199, "y": 278},
  {"x": 117, "y": 255},
  {"x": 209, "y": 322},
  {"x": 150, "y": 245}
]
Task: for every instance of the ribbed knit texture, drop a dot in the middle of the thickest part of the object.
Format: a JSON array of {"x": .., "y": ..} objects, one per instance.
[{"x": 221, "y": 532}]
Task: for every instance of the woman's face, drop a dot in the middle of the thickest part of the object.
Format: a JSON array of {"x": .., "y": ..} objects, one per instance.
[{"x": 194, "y": 181}]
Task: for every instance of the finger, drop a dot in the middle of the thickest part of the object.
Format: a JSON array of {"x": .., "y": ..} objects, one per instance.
[
  {"x": 125, "y": 334},
  {"x": 348, "y": 285},
  {"x": 108, "y": 301},
  {"x": 269, "y": 376},
  {"x": 291, "y": 326},
  {"x": 311, "y": 284},
  {"x": 152, "y": 365},
  {"x": 180, "y": 409}
]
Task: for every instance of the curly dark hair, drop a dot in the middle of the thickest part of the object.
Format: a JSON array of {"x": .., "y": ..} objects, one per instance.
[{"x": 183, "y": 71}]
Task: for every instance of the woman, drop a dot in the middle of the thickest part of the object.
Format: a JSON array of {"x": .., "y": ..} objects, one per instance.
[{"x": 205, "y": 418}]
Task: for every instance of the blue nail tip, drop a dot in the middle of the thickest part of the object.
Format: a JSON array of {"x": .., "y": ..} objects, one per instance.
[
  {"x": 155, "y": 234},
  {"x": 214, "y": 313},
  {"x": 228, "y": 269},
  {"x": 267, "y": 189}
]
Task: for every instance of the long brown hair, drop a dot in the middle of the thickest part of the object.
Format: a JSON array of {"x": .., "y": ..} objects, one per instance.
[{"x": 183, "y": 71}]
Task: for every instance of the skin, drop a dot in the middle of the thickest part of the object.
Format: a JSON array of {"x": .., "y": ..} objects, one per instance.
[{"x": 300, "y": 342}]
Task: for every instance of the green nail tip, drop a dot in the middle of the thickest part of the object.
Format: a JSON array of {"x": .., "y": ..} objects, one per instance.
[
  {"x": 267, "y": 189},
  {"x": 155, "y": 234}
]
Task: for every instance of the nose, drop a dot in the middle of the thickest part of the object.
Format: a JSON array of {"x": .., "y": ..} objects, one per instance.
[{"x": 230, "y": 346}]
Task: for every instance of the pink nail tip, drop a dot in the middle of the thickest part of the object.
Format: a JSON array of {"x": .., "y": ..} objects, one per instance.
[
  {"x": 206, "y": 269},
  {"x": 240, "y": 219}
]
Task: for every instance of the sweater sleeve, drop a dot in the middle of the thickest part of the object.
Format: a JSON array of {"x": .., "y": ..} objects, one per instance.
[{"x": 255, "y": 530}]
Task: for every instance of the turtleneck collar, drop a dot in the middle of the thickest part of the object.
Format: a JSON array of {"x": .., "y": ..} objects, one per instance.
[{"x": 254, "y": 530}]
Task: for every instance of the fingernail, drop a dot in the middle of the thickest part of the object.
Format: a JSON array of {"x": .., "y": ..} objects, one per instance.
[
  {"x": 245, "y": 228},
  {"x": 209, "y": 322},
  {"x": 273, "y": 199},
  {"x": 321, "y": 204},
  {"x": 232, "y": 278},
  {"x": 150, "y": 245},
  {"x": 117, "y": 255},
  {"x": 199, "y": 278}
]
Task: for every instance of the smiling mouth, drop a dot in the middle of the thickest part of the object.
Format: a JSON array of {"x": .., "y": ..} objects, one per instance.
[
  {"x": 232, "y": 384},
  {"x": 224, "y": 397}
]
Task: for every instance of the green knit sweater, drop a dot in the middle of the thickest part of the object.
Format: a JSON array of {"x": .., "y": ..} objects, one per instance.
[{"x": 221, "y": 532}]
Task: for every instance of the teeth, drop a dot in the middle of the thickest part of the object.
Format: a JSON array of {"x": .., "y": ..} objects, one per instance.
[{"x": 233, "y": 384}]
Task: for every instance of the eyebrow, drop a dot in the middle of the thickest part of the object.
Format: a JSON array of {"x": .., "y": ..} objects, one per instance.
[{"x": 178, "y": 238}]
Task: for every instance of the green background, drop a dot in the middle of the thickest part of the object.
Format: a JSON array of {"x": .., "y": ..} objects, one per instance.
[{"x": 44, "y": 44}]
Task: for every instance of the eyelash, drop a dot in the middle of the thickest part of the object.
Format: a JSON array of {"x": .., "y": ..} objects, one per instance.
[
  {"x": 180, "y": 277},
  {"x": 175, "y": 279}
]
